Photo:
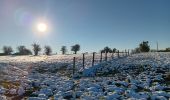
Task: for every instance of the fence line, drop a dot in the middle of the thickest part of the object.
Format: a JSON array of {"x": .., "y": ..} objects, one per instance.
[{"x": 100, "y": 59}]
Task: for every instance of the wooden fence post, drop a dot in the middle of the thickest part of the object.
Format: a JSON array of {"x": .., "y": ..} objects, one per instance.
[
  {"x": 93, "y": 59},
  {"x": 125, "y": 52},
  {"x": 105, "y": 56},
  {"x": 101, "y": 57},
  {"x": 74, "y": 60},
  {"x": 83, "y": 59},
  {"x": 128, "y": 52},
  {"x": 112, "y": 55},
  {"x": 118, "y": 54}
]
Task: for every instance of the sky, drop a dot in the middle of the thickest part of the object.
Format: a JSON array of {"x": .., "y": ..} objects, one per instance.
[{"x": 93, "y": 24}]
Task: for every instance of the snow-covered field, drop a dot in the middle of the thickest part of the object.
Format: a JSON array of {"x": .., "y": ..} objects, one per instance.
[{"x": 139, "y": 76}]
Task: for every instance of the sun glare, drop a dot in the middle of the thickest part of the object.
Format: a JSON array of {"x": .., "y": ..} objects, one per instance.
[{"x": 42, "y": 27}]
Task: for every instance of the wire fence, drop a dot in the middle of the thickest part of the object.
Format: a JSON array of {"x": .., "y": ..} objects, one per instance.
[{"x": 91, "y": 59}]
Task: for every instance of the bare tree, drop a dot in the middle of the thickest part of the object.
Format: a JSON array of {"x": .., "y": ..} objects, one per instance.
[
  {"x": 114, "y": 50},
  {"x": 106, "y": 50},
  {"x": 22, "y": 50},
  {"x": 7, "y": 50},
  {"x": 48, "y": 50},
  {"x": 75, "y": 48},
  {"x": 144, "y": 46},
  {"x": 36, "y": 48},
  {"x": 63, "y": 49}
]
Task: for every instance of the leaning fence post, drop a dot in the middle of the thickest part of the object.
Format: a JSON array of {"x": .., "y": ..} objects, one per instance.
[
  {"x": 105, "y": 56},
  {"x": 118, "y": 54},
  {"x": 83, "y": 59},
  {"x": 123, "y": 53},
  {"x": 74, "y": 60},
  {"x": 101, "y": 57},
  {"x": 131, "y": 52},
  {"x": 112, "y": 54},
  {"x": 93, "y": 59}
]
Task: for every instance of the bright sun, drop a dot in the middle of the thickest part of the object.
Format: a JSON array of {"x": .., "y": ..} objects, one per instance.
[{"x": 42, "y": 27}]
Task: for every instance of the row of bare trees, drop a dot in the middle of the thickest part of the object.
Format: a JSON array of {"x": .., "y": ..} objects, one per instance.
[
  {"x": 22, "y": 50},
  {"x": 36, "y": 48}
]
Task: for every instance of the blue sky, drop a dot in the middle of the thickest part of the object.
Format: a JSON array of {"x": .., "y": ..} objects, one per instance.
[{"x": 93, "y": 24}]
